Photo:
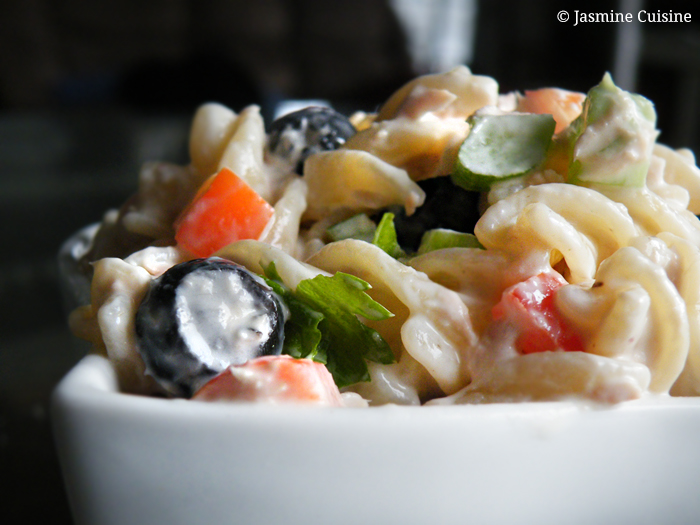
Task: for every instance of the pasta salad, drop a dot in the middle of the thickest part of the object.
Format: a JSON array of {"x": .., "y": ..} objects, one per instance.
[{"x": 457, "y": 246}]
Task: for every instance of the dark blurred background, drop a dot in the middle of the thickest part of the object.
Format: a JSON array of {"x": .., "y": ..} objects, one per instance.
[{"x": 91, "y": 89}]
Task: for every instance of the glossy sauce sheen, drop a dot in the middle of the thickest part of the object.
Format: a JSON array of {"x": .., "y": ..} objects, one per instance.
[
  {"x": 295, "y": 136},
  {"x": 203, "y": 316},
  {"x": 211, "y": 323}
]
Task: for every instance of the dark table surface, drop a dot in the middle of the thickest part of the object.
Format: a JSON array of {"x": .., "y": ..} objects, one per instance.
[{"x": 58, "y": 172}]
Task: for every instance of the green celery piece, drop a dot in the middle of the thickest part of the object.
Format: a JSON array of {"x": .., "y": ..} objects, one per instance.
[
  {"x": 499, "y": 147},
  {"x": 341, "y": 298},
  {"x": 358, "y": 226},
  {"x": 627, "y": 121},
  {"x": 323, "y": 324},
  {"x": 385, "y": 237},
  {"x": 443, "y": 238}
]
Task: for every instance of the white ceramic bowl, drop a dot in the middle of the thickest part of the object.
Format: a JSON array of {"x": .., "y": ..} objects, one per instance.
[{"x": 137, "y": 460}]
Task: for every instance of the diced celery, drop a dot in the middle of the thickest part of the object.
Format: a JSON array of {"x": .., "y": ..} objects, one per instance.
[
  {"x": 385, "y": 237},
  {"x": 443, "y": 238},
  {"x": 358, "y": 226},
  {"x": 502, "y": 146},
  {"x": 611, "y": 142}
]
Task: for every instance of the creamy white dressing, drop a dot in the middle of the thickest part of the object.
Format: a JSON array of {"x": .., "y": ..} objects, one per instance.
[
  {"x": 616, "y": 141},
  {"x": 292, "y": 142},
  {"x": 641, "y": 243},
  {"x": 216, "y": 314}
]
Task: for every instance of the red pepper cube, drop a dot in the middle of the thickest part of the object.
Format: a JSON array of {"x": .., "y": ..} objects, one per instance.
[
  {"x": 530, "y": 307},
  {"x": 224, "y": 210},
  {"x": 273, "y": 379}
]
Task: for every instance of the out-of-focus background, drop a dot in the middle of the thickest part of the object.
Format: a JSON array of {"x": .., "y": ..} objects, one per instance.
[{"x": 91, "y": 89}]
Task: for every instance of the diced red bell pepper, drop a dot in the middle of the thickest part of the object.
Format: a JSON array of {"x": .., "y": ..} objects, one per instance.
[
  {"x": 273, "y": 379},
  {"x": 529, "y": 305},
  {"x": 224, "y": 210}
]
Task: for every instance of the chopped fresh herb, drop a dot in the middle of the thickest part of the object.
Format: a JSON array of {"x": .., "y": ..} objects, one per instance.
[
  {"x": 301, "y": 333},
  {"x": 358, "y": 226},
  {"x": 385, "y": 237},
  {"x": 323, "y": 324}
]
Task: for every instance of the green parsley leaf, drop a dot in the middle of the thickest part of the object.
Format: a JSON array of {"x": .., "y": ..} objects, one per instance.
[
  {"x": 302, "y": 335},
  {"x": 330, "y": 306},
  {"x": 385, "y": 237}
]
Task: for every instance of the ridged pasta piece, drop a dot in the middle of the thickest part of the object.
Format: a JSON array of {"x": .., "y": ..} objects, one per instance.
[
  {"x": 634, "y": 321},
  {"x": 108, "y": 322},
  {"x": 547, "y": 228},
  {"x": 683, "y": 269},
  {"x": 212, "y": 128},
  {"x": 256, "y": 256},
  {"x": 633, "y": 312},
  {"x": 425, "y": 147},
  {"x": 283, "y": 229},
  {"x": 674, "y": 195},
  {"x": 577, "y": 223},
  {"x": 432, "y": 320},
  {"x": 471, "y": 93},
  {"x": 508, "y": 187},
  {"x": 243, "y": 154},
  {"x": 680, "y": 170},
  {"x": 404, "y": 383},
  {"x": 653, "y": 214},
  {"x": 422, "y": 125},
  {"x": 636, "y": 329},
  {"x": 478, "y": 276},
  {"x": 549, "y": 376},
  {"x": 356, "y": 180}
]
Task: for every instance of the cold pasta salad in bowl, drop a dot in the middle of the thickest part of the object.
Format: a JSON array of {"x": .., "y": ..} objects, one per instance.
[{"x": 533, "y": 258}]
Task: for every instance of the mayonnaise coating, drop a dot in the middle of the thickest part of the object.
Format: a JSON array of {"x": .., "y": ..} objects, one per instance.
[{"x": 624, "y": 253}]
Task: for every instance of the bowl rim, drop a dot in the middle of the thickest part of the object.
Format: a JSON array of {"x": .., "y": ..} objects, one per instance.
[{"x": 93, "y": 381}]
